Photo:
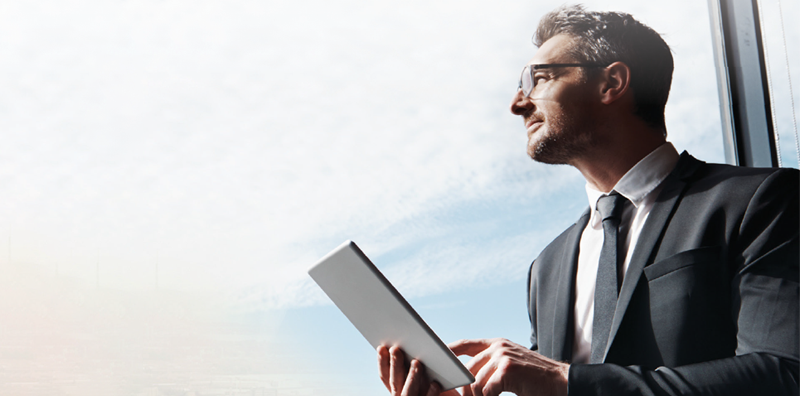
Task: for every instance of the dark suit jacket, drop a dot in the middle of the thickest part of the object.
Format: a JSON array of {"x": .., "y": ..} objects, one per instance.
[{"x": 709, "y": 304}]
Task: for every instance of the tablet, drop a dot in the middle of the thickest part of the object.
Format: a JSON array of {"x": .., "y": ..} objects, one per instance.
[{"x": 382, "y": 315}]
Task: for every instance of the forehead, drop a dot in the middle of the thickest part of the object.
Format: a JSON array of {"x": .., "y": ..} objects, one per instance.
[{"x": 553, "y": 50}]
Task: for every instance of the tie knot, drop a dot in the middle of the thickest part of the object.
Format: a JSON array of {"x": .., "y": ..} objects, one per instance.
[{"x": 610, "y": 206}]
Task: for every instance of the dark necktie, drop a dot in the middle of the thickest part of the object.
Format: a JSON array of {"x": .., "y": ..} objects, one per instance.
[{"x": 606, "y": 286}]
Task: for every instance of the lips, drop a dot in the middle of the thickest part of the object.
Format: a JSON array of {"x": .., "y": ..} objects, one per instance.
[
  {"x": 532, "y": 124},
  {"x": 532, "y": 121}
]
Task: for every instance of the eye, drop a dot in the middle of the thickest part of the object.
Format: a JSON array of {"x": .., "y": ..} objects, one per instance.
[{"x": 539, "y": 79}]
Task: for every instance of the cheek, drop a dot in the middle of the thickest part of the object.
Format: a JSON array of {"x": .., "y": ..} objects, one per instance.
[
  {"x": 556, "y": 90},
  {"x": 552, "y": 111},
  {"x": 543, "y": 94},
  {"x": 552, "y": 100}
]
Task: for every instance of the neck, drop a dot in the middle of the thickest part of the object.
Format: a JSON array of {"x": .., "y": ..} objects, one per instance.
[{"x": 616, "y": 154}]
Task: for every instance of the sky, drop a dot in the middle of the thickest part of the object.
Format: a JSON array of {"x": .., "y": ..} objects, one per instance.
[{"x": 171, "y": 169}]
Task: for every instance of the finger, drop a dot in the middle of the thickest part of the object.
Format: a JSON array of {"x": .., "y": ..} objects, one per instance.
[
  {"x": 434, "y": 390},
  {"x": 411, "y": 387},
  {"x": 494, "y": 385},
  {"x": 482, "y": 376},
  {"x": 469, "y": 347},
  {"x": 384, "y": 364},
  {"x": 476, "y": 388},
  {"x": 397, "y": 374},
  {"x": 477, "y": 362},
  {"x": 466, "y": 391}
]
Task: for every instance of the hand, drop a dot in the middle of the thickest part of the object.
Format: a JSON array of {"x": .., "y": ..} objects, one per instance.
[
  {"x": 406, "y": 382},
  {"x": 500, "y": 365}
]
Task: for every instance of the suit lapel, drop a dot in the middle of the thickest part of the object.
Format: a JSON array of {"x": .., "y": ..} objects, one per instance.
[
  {"x": 563, "y": 327},
  {"x": 654, "y": 227}
]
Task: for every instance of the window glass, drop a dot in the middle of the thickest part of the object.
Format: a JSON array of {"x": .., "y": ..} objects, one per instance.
[
  {"x": 170, "y": 169},
  {"x": 779, "y": 35}
]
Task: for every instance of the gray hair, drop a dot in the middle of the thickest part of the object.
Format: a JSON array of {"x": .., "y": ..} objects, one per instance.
[{"x": 607, "y": 37}]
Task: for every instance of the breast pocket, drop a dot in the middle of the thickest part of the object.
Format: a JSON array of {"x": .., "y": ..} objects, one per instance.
[
  {"x": 690, "y": 304},
  {"x": 676, "y": 262}
]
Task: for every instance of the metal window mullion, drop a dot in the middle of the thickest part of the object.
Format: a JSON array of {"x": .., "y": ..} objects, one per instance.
[{"x": 744, "y": 94}]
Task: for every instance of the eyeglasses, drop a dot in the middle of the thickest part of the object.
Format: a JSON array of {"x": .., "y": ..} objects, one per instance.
[{"x": 526, "y": 81}]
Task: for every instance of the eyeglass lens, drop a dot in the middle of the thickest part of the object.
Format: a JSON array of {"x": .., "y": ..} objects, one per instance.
[{"x": 526, "y": 81}]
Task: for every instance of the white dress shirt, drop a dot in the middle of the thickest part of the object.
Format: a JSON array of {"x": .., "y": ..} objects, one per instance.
[{"x": 640, "y": 185}]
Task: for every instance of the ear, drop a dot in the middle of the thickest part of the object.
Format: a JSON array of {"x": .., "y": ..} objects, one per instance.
[{"x": 616, "y": 82}]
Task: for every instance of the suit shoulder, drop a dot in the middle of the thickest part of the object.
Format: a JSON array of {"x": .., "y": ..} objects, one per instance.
[
  {"x": 710, "y": 175},
  {"x": 742, "y": 171}
]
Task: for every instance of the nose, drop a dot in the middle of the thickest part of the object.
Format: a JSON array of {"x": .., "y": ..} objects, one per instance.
[{"x": 521, "y": 104}]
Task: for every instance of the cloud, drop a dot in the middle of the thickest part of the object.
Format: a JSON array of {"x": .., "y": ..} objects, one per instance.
[{"x": 210, "y": 145}]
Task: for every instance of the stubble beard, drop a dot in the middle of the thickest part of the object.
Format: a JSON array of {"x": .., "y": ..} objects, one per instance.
[{"x": 565, "y": 139}]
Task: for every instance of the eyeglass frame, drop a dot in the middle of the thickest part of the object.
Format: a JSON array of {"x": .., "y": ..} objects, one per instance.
[{"x": 540, "y": 66}]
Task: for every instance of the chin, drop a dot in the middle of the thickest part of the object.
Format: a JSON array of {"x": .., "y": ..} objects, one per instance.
[{"x": 548, "y": 151}]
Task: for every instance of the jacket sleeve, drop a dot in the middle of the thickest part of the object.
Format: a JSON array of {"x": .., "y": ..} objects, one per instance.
[{"x": 765, "y": 308}]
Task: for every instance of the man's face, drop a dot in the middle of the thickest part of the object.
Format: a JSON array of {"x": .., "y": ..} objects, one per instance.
[{"x": 558, "y": 112}]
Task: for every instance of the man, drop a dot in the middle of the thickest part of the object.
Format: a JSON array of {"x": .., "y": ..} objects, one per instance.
[{"x": 681, "y": 278}]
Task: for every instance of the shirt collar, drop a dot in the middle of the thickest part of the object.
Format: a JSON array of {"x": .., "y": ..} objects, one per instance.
[{"x": 643, "y": 177}]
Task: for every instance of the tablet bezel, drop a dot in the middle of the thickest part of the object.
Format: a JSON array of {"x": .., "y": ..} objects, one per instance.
[{"x": 382, "y": 315}]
